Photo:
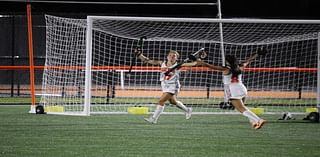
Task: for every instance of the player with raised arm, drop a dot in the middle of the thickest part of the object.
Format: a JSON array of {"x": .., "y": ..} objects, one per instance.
[
  {"x": 236, "y": 91},
  {"x": 170, "y": 84}
]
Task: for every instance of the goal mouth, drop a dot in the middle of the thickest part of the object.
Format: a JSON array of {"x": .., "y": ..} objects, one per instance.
[{"x": 91, "y": 63}]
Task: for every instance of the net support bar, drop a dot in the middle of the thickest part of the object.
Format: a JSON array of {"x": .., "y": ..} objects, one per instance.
[
  {"x": 30, "y": 45},
  {"x": 87, "y": 96},
  {"x": 206, "y": 20}
]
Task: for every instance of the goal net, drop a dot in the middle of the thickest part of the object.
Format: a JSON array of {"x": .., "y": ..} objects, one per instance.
[{"x": 91, "y": 66}]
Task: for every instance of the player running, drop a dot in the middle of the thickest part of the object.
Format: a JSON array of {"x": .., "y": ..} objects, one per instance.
[
  {"x": 235, "y": 89},
  {"x": 169, "y": 83}
]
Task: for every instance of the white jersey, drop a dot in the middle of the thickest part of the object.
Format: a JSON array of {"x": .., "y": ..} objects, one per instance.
[
  {"x": 172, "y": 77},
  {"x": 234, "y": 87},
  {"x": 228, "y": 79},
  {"x": 170, "y": 83}
]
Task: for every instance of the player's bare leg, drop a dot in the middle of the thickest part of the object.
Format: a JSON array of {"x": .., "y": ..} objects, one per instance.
[
  {"x": 256, "y": 121},
  {"x": 179, "y": 104},
  {"x": 159, "y": 108}
]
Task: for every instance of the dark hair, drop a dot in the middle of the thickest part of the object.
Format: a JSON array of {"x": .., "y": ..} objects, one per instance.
[{"x": 234, "y": 64}]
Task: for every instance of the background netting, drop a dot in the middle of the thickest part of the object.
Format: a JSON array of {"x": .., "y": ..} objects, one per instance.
[{"x": 285, "y": 80}]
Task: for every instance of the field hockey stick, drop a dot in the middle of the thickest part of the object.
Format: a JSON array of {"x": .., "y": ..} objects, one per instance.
[
  {"x": 192, "y": 57},
  {"x": 137, "y": 52}
]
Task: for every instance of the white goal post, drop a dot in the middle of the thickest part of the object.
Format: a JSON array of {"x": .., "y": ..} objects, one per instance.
[{"x": 88, "y": 62}]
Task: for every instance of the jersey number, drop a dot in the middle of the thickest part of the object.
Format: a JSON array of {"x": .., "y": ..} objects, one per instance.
[{"x": 167, "y": 77}]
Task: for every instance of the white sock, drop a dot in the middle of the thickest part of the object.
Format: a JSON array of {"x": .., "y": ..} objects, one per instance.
[
  {"x": 157, "y": 112},
  {"x": 181, "y": 106},
  {"x": 251, "y": 116}
]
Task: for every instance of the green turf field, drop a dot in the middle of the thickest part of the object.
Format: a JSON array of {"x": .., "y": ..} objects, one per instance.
[
  {"x": 24, "y": 134},
  {"x": 278, "y": 105}
]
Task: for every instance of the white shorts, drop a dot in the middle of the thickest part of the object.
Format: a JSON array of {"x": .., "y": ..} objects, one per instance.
[
  {"x": 236, "y": 91},
  {"x": 172, "y": 88}
]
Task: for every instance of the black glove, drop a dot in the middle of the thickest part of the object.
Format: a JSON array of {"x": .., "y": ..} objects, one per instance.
[
  {"x": 192, "y": 58},
  {"x": 262, "y": 51},
  {"x": 138, "y": 51}
]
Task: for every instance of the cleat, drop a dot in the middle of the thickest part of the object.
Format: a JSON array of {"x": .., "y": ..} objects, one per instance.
[
  {"x": 254, "y": 124},
  {"x": 188, "y": 113},
  {"x": 260, "y": 124},
  {"x": 150, "y": 120}
]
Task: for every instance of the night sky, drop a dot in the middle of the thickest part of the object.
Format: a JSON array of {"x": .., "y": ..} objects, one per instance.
[{"x": 290, "y": 9}]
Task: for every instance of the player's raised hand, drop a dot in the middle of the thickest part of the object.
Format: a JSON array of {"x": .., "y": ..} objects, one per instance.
[{"x": 137, "y": 51}]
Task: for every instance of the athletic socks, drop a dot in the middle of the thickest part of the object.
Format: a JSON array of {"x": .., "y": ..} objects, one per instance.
[
  {"x": 181, "y": 106},
  {"x": 157, "y": 112},
  {"x": 251, "y": 116}
]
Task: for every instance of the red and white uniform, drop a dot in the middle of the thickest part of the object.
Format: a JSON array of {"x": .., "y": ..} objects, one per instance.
[
  {"x": 234, "y": 87},
  {"x": 170, "y": 83}
]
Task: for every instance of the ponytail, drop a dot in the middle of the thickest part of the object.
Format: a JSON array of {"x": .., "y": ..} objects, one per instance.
[{"x": 234, "y": 65}]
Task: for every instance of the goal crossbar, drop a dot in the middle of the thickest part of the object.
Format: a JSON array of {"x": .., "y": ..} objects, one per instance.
[{"x": 206, "y": 20}]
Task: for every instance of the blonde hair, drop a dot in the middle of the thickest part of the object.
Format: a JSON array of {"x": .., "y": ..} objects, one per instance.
[{"x": 175, "y": 52}]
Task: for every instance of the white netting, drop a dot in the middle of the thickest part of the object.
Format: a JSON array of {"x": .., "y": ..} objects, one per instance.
[{"x": 284, "y": 80}]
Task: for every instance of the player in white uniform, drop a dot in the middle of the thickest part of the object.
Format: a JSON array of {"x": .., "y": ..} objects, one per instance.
[
  {"x": 169, "y": 83},
  {"x": 235, "y": 89}
]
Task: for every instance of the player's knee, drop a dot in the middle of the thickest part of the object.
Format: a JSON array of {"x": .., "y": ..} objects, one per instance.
[
  {"x": 161, "y": 102},
  {"x": 179, "y": 102}
]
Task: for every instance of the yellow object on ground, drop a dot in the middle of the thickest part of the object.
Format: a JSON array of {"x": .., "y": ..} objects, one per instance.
[
  {"x": 257, "y": 110},
  {"x": 311, "y": 109},
  {"x": 138, "y": 110},
  {"x": 54, "y": 109}
]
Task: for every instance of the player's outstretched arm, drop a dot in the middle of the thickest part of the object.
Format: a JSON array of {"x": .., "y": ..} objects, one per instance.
[
  {"x": 249, "y": 60},
  {"x": 190, "y": 64},
  {"x": 146, "y": 59},
  {"x": 260, "y": 52},
  {"x": 214, "y": 67}
]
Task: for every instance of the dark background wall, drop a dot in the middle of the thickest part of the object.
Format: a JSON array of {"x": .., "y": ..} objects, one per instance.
[
  {"x": 230, "y": 8},
  {"x": 13, "y": 28}
]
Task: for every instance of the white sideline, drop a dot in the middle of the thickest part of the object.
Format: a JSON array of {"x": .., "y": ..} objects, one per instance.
[{"x": 48, "y": 94}]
